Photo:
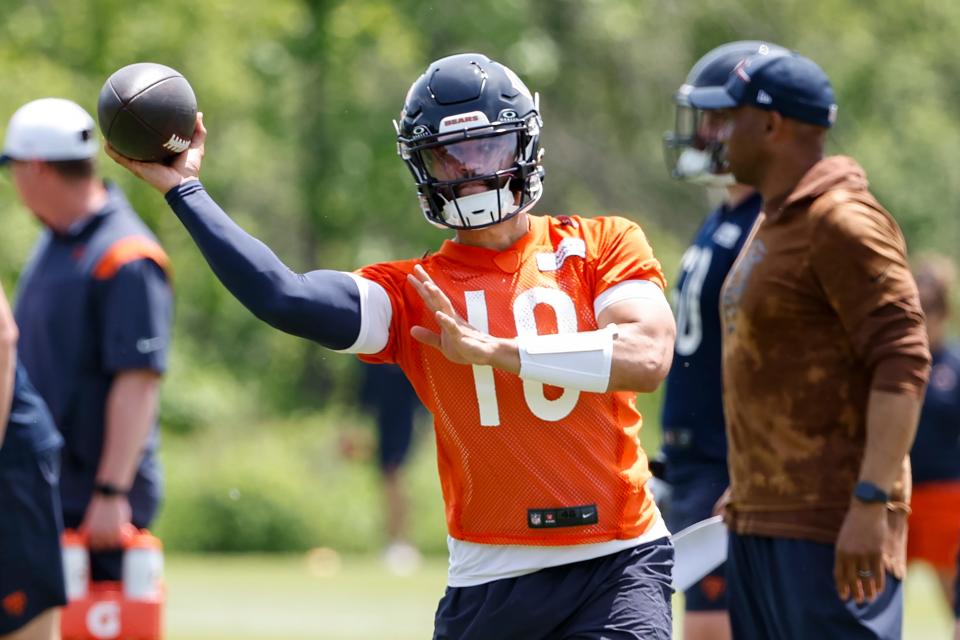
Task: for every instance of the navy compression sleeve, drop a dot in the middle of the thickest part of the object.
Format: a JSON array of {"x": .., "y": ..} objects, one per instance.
[{"x": 323, "y": 306}]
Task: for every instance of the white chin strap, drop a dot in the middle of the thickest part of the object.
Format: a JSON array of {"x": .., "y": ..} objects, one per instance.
[
  {"x": 692, "y": 163},
  {"x": 479, "y": 209},
  {"x": 694, "y": 166}
]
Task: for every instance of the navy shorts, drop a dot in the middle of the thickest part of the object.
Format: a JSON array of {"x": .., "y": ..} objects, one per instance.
[
  {"x": 616, "y": 597},
  {"x": 388, "y": 394},
  {"x": 31, "y": 566},
  {"x": 694, "y": 491},
  {"x": 395, "y": 435},
  {"x": 784, "y": 589}
]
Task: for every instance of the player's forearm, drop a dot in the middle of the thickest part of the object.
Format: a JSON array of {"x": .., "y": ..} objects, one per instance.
[
  {"x": 639, "y": 357},
  {"x": 323, "y": 305},
  {"x": 130, "y": 414},
  {"x": 642, "y": 356},
  {"x": 643, "y": 351},
  {"x": 891, "y": 426},
  {"x": 632, "y": 352}
]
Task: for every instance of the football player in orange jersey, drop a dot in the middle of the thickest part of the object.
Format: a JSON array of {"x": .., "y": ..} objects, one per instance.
[{"x": 526, "y": 337}]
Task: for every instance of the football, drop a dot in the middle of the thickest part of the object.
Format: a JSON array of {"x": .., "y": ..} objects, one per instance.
[{"x": 147, "y": 111}]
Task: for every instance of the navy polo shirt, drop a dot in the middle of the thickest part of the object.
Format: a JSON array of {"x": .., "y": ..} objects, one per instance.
[
  {"x": 93, "y": 302},
  {"x": 30, "y": 427}
]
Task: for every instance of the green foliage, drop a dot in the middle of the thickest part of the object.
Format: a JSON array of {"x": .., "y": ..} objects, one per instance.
[
  {"x": 290, "y": 486},
  {"x": 298, "y": 96}
]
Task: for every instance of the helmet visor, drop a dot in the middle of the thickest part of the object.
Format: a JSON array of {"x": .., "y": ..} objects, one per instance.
[{"x": 476, "y": 157}]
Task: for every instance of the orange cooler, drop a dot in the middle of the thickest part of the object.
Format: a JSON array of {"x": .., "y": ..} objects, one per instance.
[{"x": 127, "y": 610}]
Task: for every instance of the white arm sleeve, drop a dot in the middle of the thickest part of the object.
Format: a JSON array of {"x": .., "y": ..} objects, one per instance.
[
  {"x": 376, "y": 313},
  {"x": 627, "y": 290}
]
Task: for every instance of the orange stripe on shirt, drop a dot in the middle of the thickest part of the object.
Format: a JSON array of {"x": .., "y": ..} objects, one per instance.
[{"x": 127, "y": 250}]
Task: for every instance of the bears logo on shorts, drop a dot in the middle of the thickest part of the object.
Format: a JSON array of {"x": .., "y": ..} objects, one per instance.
[
  {"x": 713, "y": 587},
  {"x": 15, "y": 603}
]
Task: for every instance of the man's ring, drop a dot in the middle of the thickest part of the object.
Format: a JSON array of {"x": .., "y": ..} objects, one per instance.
[{"x": 865, "y": 573}]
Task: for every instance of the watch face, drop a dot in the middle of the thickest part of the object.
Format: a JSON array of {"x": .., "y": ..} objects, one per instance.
[{"x": 868, "y": 492}]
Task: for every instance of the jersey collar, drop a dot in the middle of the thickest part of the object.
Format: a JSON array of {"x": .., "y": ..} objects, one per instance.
[{"x": 508, "y": 260}]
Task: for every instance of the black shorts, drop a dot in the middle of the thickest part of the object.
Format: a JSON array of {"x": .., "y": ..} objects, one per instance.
[
  {"x": 622, "y": 596},
  {"x": 31, "y": 565}
]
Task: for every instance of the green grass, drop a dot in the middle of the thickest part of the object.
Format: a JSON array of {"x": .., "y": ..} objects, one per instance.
[
  {"x": 355, "y": 598},
  {"x": 289, "y": 598}
]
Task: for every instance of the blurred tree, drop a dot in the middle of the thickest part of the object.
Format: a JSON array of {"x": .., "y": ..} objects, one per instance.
[{"x": 299, "y": 96}]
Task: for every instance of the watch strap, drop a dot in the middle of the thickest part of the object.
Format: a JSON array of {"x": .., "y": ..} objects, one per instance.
[{"x": 109, "y": 490}]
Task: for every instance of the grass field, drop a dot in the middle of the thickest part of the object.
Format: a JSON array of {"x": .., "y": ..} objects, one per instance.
[{"x": 324, "y": 597}]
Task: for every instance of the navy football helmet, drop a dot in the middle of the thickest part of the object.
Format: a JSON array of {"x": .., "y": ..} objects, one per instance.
[
  {"x": 691, "y": 152},
  {"x": 470, "y": 134}
]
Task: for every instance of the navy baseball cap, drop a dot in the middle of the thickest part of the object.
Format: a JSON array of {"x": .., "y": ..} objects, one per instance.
[{"x": 788, "y": 83}]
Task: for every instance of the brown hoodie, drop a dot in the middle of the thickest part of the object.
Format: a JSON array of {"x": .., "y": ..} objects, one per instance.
[{"x": 819, "y": 309}]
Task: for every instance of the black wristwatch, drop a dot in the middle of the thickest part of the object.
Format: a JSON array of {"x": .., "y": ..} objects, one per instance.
[
  {"x": 870, "y": 493},
  {"x": 108, "y": 490}
]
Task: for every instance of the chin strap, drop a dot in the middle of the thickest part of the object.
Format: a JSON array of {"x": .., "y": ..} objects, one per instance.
[
  {"x": 697, "y": 167},
  {"x": 479, "y": 209}
]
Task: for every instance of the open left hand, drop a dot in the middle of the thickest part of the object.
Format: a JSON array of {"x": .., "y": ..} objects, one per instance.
[
  {"x": 859, "y": 570},
  {"x": 459, "y": 341},
  {"x": 105, "y": 521}
]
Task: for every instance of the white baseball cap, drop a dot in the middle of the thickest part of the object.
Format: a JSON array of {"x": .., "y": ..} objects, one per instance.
[{"x": 50, "y": 129}]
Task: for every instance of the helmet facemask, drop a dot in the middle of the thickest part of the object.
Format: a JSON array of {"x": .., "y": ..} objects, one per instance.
[
  {"x": 692, "y": 153},
  {"x": 695, "y": 149},
  {"x": 470, "y": 177}
]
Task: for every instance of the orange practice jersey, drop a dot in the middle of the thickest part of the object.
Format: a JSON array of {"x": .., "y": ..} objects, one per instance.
[{"x": 521, "y": 462}]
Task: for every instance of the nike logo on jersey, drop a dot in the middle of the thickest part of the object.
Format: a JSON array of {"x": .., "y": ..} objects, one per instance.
[{"x": 562, "y": 517}]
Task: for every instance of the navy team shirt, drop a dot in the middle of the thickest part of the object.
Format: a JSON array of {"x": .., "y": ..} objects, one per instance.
[
  {"x": 92, "y": 303},
  {"x": 935, "y": 455},
  {"x": 30, "y": 428},
  {"x": 692, "y": 415}
]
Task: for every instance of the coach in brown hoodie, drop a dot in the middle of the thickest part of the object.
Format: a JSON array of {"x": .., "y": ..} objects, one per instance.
[{"x": 824, "y": 365}]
